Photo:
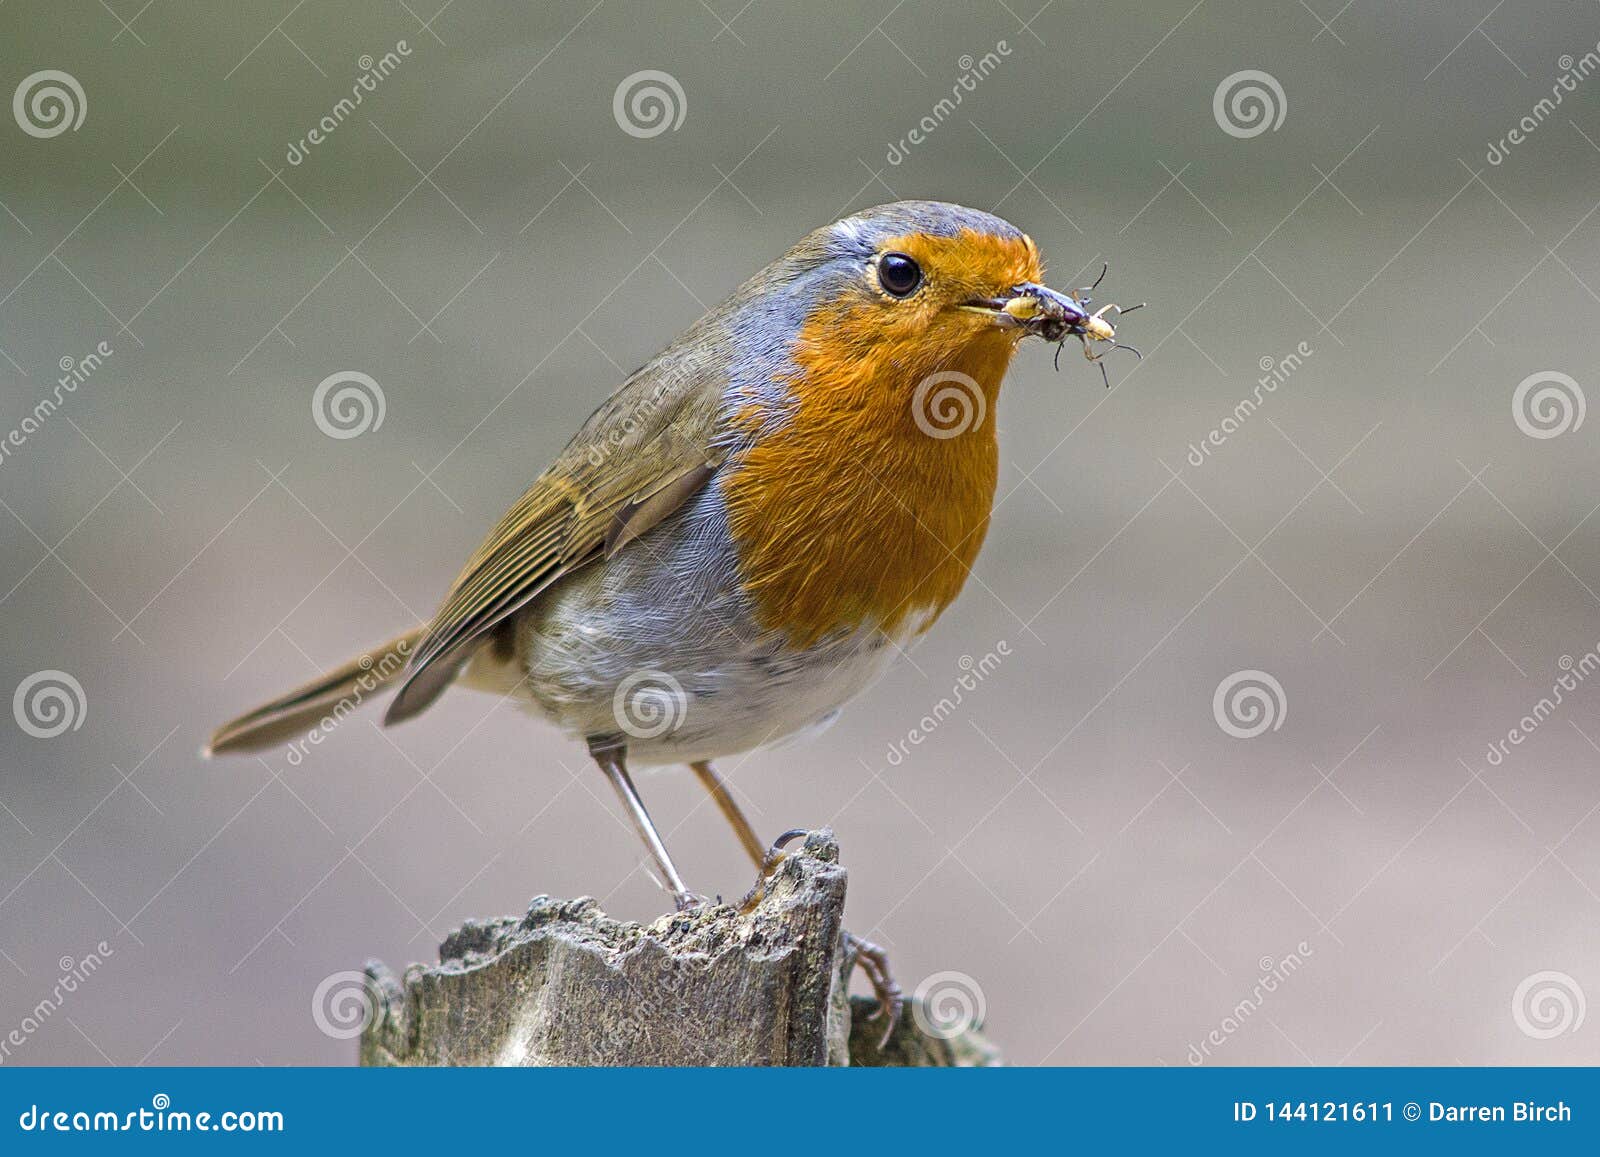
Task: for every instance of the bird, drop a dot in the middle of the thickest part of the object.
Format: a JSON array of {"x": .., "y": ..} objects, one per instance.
[{"x": 741, "y": 538}]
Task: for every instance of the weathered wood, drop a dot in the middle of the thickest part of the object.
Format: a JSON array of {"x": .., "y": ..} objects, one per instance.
[
  {"x": 911, "y": 1046},
  {"x": 568, "y": 985}
]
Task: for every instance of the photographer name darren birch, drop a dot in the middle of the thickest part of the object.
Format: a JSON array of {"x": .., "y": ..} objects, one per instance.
[
  {"x": 1527, "y": 1112},
  {"x": 1385, "y": 1112}
]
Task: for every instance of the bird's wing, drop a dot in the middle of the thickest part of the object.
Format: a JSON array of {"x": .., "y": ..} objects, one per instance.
[{"x": 639, "y": 456}]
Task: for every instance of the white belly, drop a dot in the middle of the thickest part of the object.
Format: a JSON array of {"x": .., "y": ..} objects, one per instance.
[{"x": 660, "y": 647}]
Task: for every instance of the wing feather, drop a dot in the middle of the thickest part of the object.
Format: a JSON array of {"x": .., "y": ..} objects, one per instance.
[{"x": 645, "y": 451}]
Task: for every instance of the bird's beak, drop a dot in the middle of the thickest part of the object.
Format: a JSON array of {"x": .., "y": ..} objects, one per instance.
[{"x": 1043, "y": 312}]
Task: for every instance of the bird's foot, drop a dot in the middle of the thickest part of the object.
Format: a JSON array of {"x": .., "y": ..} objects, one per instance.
[
  {"x": 769, "y": 865},
  {"x": 689, "y": 902},
  {"x": 874, "y": 962}
]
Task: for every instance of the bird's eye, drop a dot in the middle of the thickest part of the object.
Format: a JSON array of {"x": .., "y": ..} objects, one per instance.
[{"x": 898, "y": 274}]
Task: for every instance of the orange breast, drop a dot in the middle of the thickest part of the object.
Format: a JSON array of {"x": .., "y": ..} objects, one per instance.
[{"x": 852, "y": 513}]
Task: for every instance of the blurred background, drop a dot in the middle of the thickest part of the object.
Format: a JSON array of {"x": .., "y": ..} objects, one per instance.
[{"x": 1254, "y": 667}]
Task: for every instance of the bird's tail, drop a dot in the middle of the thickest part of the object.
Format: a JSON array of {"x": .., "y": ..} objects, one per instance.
[{"x": 334, "y": 694}]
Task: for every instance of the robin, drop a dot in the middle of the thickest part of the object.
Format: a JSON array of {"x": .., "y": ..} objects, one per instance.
[{"x": 740, "y": 538}]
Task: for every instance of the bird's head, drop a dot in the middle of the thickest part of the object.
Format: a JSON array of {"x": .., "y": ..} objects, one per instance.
[
  {"x": 864, "y": 398},
  {"x": 915, "y": 288}
]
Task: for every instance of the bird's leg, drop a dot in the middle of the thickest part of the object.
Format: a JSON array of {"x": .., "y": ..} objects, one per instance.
[
  {"x": 870, "y": 958},
  {"x": 609, "y": 753},
  {"x": 718, "y": 790},
  {"x": 765, "y": 859},
  {"x": 874, "y": 961},
  {"x": 767, "y": 865}
]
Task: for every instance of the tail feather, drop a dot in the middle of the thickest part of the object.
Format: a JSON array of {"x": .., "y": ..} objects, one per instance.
[{"x": 299, "y": 710}]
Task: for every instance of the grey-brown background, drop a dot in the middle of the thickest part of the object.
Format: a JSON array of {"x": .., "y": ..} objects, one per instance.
[{"x": 1080, "y": 837}]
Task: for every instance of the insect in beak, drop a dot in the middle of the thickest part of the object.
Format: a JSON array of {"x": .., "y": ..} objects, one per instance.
[
  {"x": 1099, "y": 330},
  {"x": 1056, "y": 316}
]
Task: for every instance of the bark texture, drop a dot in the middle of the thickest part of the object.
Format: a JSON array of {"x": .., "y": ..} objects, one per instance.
[{"x": 568, "y": 985}]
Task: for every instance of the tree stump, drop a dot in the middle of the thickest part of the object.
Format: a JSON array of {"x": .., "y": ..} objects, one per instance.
[{"x": 568, "y": 985}]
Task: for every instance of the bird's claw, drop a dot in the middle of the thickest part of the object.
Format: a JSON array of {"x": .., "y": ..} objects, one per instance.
[
  {"x": 769, "y": 865},
  {"x": 874, "y": 962}
]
